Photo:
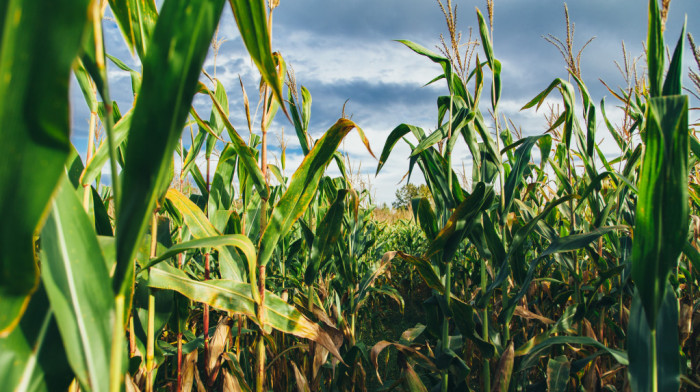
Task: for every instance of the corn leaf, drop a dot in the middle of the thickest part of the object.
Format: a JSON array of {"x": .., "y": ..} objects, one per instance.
[
  {"x": 235, "y": 297},
  {"x": 639, "y": 346},
  {"x": 326, "y": 236},
  {"x": 515, "y": 177},
  {"x": 136, "y": 19},
  {"x": 558, "y": 374},
  {"x": 451, "y": 235},
  {"x": 34, "y": 126},
  {"x": 533, "y": 354},
  {"x": 171, "y": 69},
  {"x": 395, "y": 135},
  {"x": 101, "y": 156},
  {"x": 77, "y": 283},
  {"x": 32, "y": 357},
  {"x": 301, "y": 189},
  {"x": 662, "y": 204},
  {"x": 655, "y": 49},
  {"x": 240, "y": 241},
  {"x": 245, "y": 154},
  {"x": 201, "y": 228},
  {"x": 251, "y": 18}
]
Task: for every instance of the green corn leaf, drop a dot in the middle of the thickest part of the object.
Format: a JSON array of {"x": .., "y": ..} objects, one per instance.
[
  {"x": 490, "y": 146},
  {"x": 136, "y": 20},
  {"x": 34, "y": 125},
  {"x": 301, "y": 189},
  {"x": 408, "y": 351},
  {"x": 425, "y": 270},
  {"x": 461, "y": 118},
  {"x": 558, "y": 373},
  {"x": 86, "y": 85},
  {"x": 577, "y": 241},
  {"x": 672, "y": 84},
  {"x": 305, "y": 108},
  {"x": 533, "y": 354},
  {"x": 297, "y": 121},
  {"x": 485, "y": 39},
  {"x": 240, "y": 241},
  {"x": 395, "y": 135},
  {"x": 201, "y": 228},
  {"x": 515, "y": 177},
  {"x": 195, "y": 148},
  {"x": 32, "y": 357},
  {"x": 523, "y": 232},
  {"x": 435, "y": 171},
  {"x": 639, "y": 346},
  {"x": 518, "y": 241},
  {"x": 655, "y": 50},
  {"x": 103, "y": 223},
  {"x": 251, "y": 18},
  {"x": 221, "y": 193},
  {"x": 451, "y": 235},
  {"x": 245, "y": 154},
  {"x": 367, "y": 283},
  {"x": 101, "y": 156},
  {"x": 662, "y": 204},
  {"x": 326, "y": 236},
  {"x": 77, "y": 283},
  {"x": 455, "y": 88},
  {"x": 493, "y": 241},
  {"x": 423, "y": 212},
  {"x": 235, "y": 297},
  {"x": 183, "y": 33}
]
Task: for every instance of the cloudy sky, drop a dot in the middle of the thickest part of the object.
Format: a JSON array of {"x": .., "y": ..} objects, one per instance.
[{"x": 345, "y": 50}]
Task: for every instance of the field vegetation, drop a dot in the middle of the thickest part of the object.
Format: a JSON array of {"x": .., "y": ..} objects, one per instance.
[{"x": 550, "y": 267}]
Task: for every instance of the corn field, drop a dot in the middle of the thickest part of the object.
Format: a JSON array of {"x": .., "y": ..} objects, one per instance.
[{"x": 554, "y": 267}]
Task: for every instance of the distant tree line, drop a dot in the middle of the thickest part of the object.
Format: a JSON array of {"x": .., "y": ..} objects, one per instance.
[{"x": 408, "y": 192}]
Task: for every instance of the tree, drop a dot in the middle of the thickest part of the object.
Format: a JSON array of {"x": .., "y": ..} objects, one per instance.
[{"x": 408, "y": 192}]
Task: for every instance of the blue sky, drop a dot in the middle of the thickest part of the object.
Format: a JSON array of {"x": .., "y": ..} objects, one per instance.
[{"x": 345, "y": 50}]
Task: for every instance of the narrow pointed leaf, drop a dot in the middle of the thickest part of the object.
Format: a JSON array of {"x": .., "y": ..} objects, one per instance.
[
  {"x": 136, "y": 19},
  {"x": 558, "y": 374},
  {"x": 327, "y": 235},
  {"x": 32, "y": 357},
  {"x": 235, "y": 297},
  {"x": 78, "y": 286},
  {"x": 251, "y": 18},
  {"x": 183, "y": 33},
  {"x": 240, "y": 241},
  {"x": 301, "y": 189},
  {"x": 201, "y": 228},
  {"x": 662, "y": 205},
  {"x": 34, "y": 126},
  {"x": 395, "y": 135}
]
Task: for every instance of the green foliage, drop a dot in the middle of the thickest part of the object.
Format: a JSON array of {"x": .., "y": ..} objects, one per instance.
[
  {"x": 408, "y": 192},
  {"x": 562, "y": 271}
]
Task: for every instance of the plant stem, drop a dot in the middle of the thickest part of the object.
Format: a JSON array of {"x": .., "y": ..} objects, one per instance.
[
  {"x": 115, "y": 368},
  {"x": 150, "y": 338},
  {"x": 150, "y": 345},
  {"x": 179, "y": 362},
  {"x": 446, "y": 322},
  {"x": 88, "y": 156},
  {"x": 260, "y": 355},
  {"x": 97, "y": 14},
  {"x": 654, "y": 364},
  {"x": 486, "y": 375},
  {"x": 205, "y": 312}
]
